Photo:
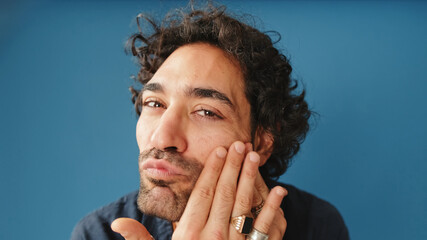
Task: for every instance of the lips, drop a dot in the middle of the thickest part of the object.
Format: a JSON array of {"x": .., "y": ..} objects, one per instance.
[{"x": 161, "y": 169}]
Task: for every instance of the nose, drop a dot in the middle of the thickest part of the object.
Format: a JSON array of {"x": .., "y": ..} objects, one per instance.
[{"x": 170, "y": 134}]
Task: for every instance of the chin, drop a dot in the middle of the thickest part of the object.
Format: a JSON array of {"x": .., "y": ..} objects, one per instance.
[{"x": 162, "y": 202}]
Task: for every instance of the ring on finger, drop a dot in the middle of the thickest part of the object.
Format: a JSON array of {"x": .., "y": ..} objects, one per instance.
[
  {"x": 242, "y": 223},
  {"x": 257, "y": 209},
  {"x": 256, "y": 235}
]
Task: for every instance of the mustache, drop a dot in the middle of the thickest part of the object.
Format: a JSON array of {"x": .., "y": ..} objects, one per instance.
[{"x": 173, "y": 157}]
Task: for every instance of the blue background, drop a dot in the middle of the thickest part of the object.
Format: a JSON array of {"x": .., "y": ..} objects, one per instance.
[{"x": 67, "y": 125}]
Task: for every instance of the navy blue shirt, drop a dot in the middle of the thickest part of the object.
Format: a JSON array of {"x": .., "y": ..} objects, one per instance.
[{"x": 307, "y": 216}]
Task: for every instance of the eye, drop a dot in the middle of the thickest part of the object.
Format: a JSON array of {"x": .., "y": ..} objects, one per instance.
[
  {"x": 208, "y": 114},
  {"x": 153, "y": 104}
]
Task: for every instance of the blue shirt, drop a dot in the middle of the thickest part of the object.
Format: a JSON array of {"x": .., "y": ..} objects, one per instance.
[{"x": 307, "y": 216}]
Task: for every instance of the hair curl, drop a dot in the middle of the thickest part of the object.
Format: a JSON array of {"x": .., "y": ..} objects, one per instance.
[{"x": 275, "y": 107}]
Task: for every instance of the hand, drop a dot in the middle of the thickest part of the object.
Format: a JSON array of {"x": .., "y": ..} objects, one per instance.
[
  {"x": 279, "y": 224},
  {"x": 220, "y": 194},
  {"x": 130, "y": 229}
]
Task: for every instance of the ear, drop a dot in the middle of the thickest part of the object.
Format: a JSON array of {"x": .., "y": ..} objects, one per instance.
[{"x": 263, "y": 145}]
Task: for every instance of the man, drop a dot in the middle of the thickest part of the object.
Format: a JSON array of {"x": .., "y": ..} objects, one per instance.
[{"x": 219, "y": 121}]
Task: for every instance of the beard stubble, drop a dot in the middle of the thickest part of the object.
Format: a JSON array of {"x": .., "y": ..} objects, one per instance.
[{"x": 171, "y": 204}]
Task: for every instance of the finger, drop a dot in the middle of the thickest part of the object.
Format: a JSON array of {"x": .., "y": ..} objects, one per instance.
[
  {"x": 257, "y": 198},
  {"x": 225, "y": 191},
  {"x": 271, "y": 207},
  {"x": 257, "y": 204},
  {"x": 261, "y": 187},
  {"x": 200, "y": 201},
  {"x": 130, "y": 229},
  {"x": 245, "y": 189}
]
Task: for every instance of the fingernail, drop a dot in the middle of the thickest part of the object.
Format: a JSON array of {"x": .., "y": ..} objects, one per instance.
[
  {"x": 221, "y": 152},
  {"x": 281, "y": 192},
  {"x": 240, "y": 147},
  {"x": 253, "y": 157}
]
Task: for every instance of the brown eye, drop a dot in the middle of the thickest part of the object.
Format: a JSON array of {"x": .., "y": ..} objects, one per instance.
[
  {"x": 205, "y": 113},
  {"x": 208, "y": 114},
  {"x": 153, "y": 104}
]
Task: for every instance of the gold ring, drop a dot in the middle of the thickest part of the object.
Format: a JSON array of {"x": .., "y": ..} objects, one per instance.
[{"x": 242, "y": 223}]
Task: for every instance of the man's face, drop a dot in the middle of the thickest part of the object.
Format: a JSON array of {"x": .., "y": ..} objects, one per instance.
[{"x": 194, "y": 103}]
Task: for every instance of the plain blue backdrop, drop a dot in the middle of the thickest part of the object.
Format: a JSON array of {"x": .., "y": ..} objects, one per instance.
[{"x": 67, "y": 125}]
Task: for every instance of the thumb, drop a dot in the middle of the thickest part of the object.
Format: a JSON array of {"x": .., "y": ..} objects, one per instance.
[{"x": 130, "y": 229}]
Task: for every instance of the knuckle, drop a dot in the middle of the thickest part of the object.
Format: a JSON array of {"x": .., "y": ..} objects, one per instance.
[
  {"x": 262, "y": 189},
  {"x": 226, "y": 192},
  {"x": 263, "y": 226},
  {"x": 251, "y": 173},
  {"x": 205, "y": 192},
  {"x": 235, "y": 163},
  {"x": 271, "y": 207},
  {"x": 265, "y": 192},
  {"x": 259, "y": 185},
  {"x": 244, "y": 201},
  {"x": 217, "y": 235},
  {"x": 256, "y": 201},
  {"x": 215, "y": 166}
]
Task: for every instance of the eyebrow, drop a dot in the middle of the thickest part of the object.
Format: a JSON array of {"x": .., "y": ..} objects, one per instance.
[
  {"x": 193, "y": 92},
  {"x": 210, "y": 93},
  {"x": 154, "y": 87}
]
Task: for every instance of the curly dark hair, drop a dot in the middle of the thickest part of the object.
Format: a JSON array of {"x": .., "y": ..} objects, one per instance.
[{"x": 275, "y": 107}]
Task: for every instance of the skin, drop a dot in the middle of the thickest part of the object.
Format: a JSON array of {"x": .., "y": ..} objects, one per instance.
[{"x": 210, "y": 129}]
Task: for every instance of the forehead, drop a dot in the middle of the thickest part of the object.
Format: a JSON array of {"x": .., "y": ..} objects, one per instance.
[{"x": 202, "y": 65}]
